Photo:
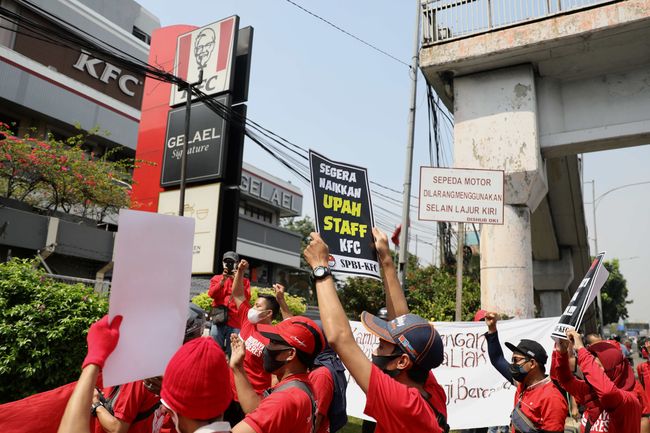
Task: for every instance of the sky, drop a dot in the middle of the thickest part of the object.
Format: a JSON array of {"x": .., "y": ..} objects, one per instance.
[{"x": 323, "y": 90}]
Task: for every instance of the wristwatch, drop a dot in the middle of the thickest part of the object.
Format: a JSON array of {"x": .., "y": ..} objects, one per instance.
[
  {"x": 93, "y": 408},
  {"x": 320, "y": 272}
]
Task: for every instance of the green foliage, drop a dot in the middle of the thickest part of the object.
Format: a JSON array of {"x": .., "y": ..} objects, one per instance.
[
  {"x": 296, "y": 304},
  {"x": 303, "y": 226},
  {"x": 431, "y": 294},
  {"x": 203, "y": 300},
  {"x": 60, "y": 176},
  {"x": 614, "y": 294},
  {"x": 43, "y": 326}
]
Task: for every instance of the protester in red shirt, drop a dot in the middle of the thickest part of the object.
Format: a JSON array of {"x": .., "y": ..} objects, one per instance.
[
  {"x": 608, "y": 385},
  {"x": 221, "y": 293},
  {"x": 266, "y": 308},
  {"x": 399, "y": 394},
  {"x": 130, "y": 408},
  {"x": 537, "y": 399},
  {"x": 289, "y": 405},
  {"x": 323, "y": 386},
  {"x": 643, "y": 373}
]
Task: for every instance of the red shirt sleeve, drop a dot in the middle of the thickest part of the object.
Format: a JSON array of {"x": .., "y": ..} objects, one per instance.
[
  {"x": 561, "y": 372},
  {"x": 133, "y": 399},
  {"x": 610, "y": 396},
  {"x": 216, "y": 291},
  {"x": 323, "y": 385}
]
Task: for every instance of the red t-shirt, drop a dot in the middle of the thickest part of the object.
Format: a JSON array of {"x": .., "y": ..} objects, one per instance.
[
  {"x": 399, "y": 408},
  {"x": 643, "y": 373},
  {"x": 623, "y": 407},
  {"x": 323, "y": 386},
  {"x": 643, "y": 398},
  {"x": 132, "y": 400},
  {"x": 222, "y": 296},
  {"x": 288, "y": 410},
  {"x": 543, "y": 404},
  {"x": 254, "y": 343}
]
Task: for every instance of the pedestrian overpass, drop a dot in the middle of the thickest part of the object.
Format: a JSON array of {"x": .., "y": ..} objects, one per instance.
[{"x": 532, "y": 84}]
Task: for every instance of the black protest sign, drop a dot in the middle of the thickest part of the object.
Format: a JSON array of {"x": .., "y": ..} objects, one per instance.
[
  {"x": 583, "y": 297},
  {"x": 206, "y": 150},
  {"x": 344, "y": 215}
]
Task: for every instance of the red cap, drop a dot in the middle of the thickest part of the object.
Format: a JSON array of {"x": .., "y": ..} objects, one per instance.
[
  {"x": 196, "y": 383},
  {"x": 480, "y": 315},
  {"x": 299, "y": 332}
]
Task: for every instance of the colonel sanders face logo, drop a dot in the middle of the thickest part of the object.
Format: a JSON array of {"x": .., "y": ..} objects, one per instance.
[{"x": 203, "y": 47}]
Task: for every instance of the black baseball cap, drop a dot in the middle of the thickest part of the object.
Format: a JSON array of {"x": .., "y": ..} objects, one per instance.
[
  {"x": 530, "y": 349},
  {"x": 415, "y": 336},
  {"x": 231, "y": 255}
]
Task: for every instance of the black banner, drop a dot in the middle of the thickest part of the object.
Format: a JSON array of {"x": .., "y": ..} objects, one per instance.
[
  {"x": 583, "y": 297},
  {"x": 344, "y": 215},
  {"x": 205, "y": 154}
]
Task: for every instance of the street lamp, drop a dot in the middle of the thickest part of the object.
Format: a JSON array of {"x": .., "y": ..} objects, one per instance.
[{"x": 595, "y": 201}]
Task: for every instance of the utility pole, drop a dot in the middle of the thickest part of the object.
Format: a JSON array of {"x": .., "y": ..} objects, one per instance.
[
  {"x": 188, "y": 107},
  {"x": 599, "y": 299},
  {"x": 459, "y": 271},
  {"x": 406, "y": 200}
]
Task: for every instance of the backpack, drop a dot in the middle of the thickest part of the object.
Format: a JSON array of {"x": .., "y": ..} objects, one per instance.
[{"x": 337, "y": 412}]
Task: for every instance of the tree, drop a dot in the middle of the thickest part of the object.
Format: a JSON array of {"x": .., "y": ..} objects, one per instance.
[
  {"x": 614, "y": 294},
  {"x": 57, "y": 175},
  {"x": 303, "y": 226},
  {"x": 43, "y": 326},
  {"x": 431, "y": 293}
]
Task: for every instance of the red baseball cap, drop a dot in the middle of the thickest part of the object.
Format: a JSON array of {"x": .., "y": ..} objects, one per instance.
[
  {"x": 299, "y": 332},
  {"x": 480, "y": 315}
]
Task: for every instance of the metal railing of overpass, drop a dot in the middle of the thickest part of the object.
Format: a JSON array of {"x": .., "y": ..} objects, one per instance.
[{"x": 444, "y": 20}]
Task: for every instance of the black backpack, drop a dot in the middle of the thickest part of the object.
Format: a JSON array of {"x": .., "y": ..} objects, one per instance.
[{"x": 337, "y": 413}]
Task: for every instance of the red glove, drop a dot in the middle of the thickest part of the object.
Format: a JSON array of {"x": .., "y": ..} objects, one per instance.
[{"x": 102, "y": 339}]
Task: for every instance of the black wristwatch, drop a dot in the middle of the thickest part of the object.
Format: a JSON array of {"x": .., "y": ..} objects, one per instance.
[
  {"x": 320, "y": 272},
  {"x": 93, "y": 408}
]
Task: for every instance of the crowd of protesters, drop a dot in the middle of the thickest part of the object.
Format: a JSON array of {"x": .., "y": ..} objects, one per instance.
[{"x": 255, "y": 377}]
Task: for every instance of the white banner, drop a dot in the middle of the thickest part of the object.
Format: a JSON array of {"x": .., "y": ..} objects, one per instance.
[{"x": 477, "y": 395}]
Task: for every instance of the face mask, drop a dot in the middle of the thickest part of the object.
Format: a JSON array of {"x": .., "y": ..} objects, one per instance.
[
  {"x": 254, "y": 316},
  {"x": 518, "y": 372},
  {"x": 269, "y": 363},
  {"x": 382, "y": 362}
]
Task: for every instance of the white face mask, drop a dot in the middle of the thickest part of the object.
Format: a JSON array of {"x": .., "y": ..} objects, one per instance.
[{"x": 254, "y": 316}]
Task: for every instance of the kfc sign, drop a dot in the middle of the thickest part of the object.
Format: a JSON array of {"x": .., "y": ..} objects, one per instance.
[
  {"x": 105, "y": 72},
  {"x": 210, "y": 49}
]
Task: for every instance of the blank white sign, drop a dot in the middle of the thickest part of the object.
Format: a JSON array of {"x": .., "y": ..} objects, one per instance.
[{"x": 150, "y": 289}]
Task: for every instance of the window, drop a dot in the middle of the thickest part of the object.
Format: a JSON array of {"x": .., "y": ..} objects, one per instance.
[
  {"x": 255, "y": 212},
  {"x": 141, "y": 35}
]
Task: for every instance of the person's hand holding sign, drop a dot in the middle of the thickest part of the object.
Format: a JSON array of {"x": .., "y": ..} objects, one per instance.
[
  {"x": 575, "y": 338},
  {"x": 317, "y": 252},
  {"x": 491, "y": 319},
  {"x": 381, "y": 243}
]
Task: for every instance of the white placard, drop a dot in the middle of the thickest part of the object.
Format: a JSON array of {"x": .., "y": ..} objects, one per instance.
[
  {"x": 150, "y": 289},
  {"x": 472, "y": 384},
  {"x": 201, "y": 204},
  {"x": 461, "y": 195}
]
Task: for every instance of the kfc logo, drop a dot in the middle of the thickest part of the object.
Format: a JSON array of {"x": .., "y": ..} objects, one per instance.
[{"x": 206, "y": 54}]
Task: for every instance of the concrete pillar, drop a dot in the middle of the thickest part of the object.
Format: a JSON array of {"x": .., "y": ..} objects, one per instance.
[
  {"x": 496, "y": 128},
  {"x": 506, "y": 264},
  {"x": 552, "y": 280}
]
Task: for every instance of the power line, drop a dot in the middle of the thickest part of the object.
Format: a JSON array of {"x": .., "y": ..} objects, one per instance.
[{"x": 331, "y": 24}]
